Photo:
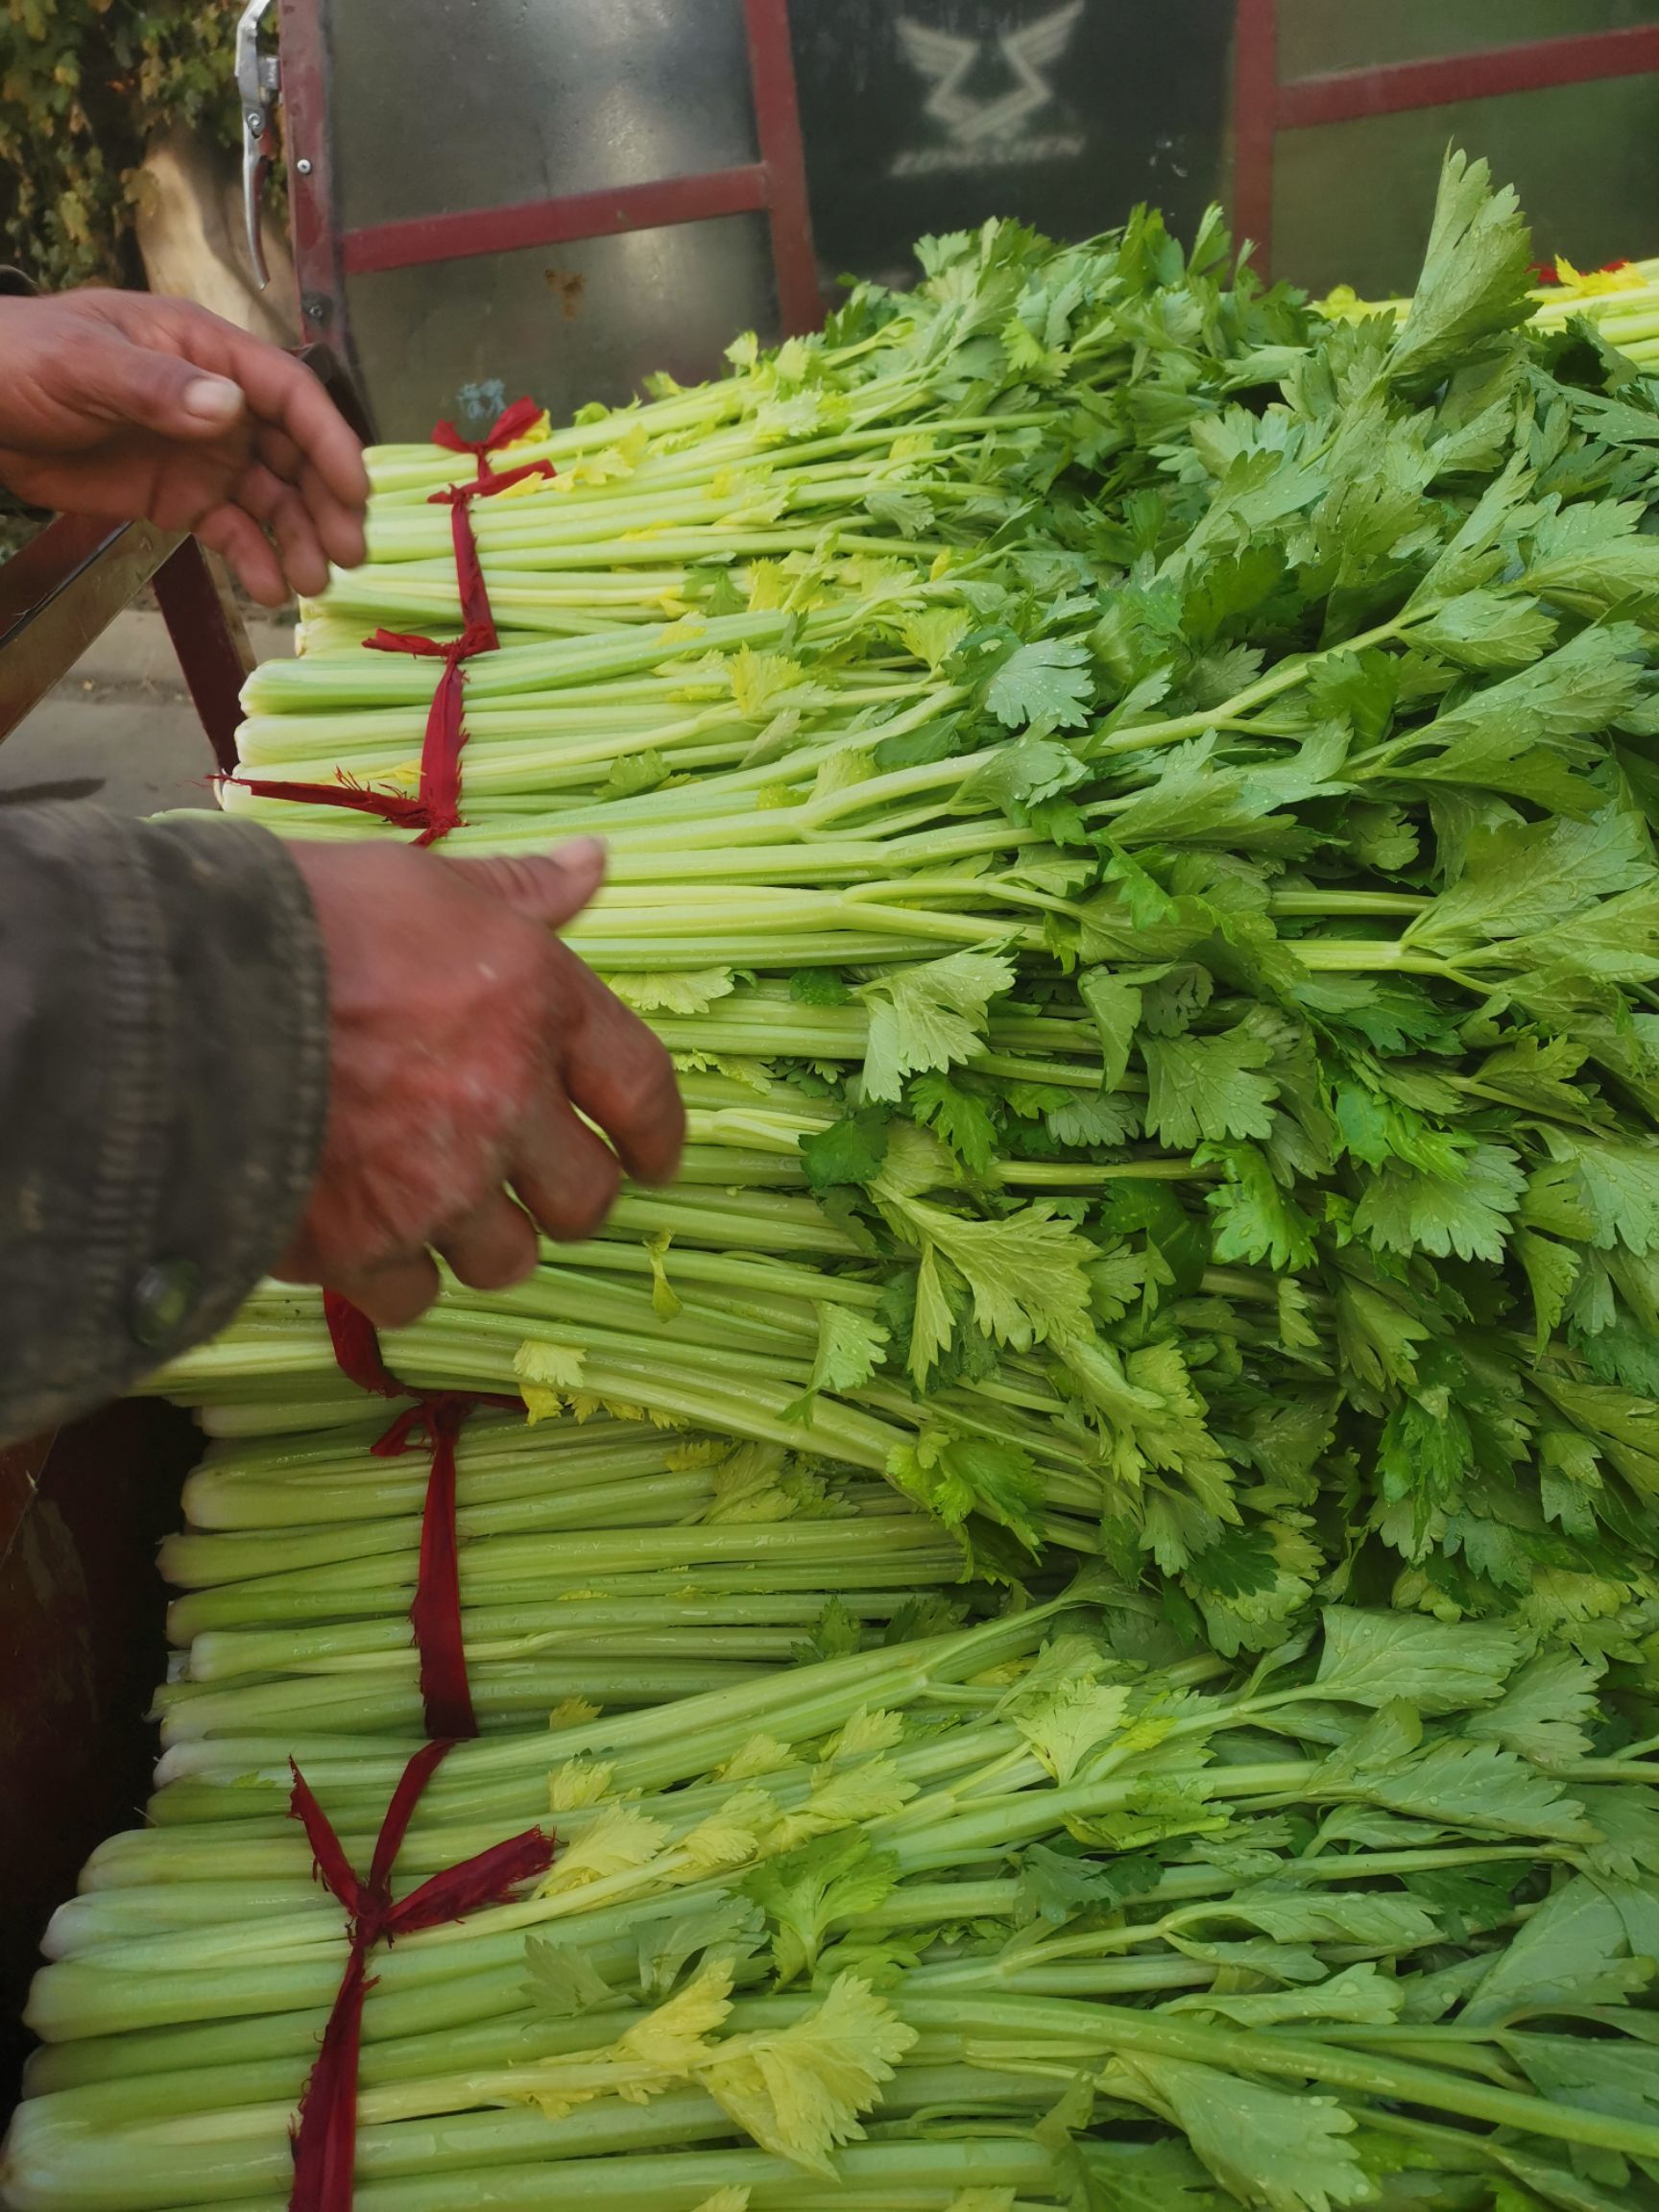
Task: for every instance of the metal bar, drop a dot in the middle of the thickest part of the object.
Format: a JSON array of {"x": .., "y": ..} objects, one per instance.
[
  {"x": 60, "y": 592},
  {"x": 783, "y": 156},
  {"x": 308, "y": 134},
  {"x": 559, "y": 222},
  {"x": 1255, "y": 93},
  {"x": 211, "y": 641},
  {"x": 1346, "y": 95},
  {"x": 47, "y": 562}
]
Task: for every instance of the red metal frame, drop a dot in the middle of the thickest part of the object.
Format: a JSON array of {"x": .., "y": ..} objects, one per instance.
[
  {"x": 423, "y": 238},
  {"x": 783, "y": 161},
  {"x": 776, "y": 185},
  {"x": 1254, "y": 123},
  {"x": 310, "y": 148},
  {"x": 211, "y": 641},
  {"x": 1263, "y": 106}
]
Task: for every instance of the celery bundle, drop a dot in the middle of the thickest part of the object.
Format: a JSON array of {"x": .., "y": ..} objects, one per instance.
[
  {"x": 611, "y": 1563},
  {"x": 1621, "y": 302},
  {"x": 1366, "y": 1924},
  {"x": 1092, "y": 1562},
  {"x": 1130, "y": 802}
]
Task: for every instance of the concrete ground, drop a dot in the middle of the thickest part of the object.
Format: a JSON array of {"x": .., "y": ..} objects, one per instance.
[{"x": 120, "y": 729}]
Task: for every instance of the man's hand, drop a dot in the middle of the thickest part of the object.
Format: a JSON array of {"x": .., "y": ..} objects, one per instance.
[
  {"x": 121, "y": 404},
  {"x": 466, "y": 1042}
]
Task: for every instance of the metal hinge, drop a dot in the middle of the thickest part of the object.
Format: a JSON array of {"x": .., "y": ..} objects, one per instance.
[{"x": 259, "y": 87}]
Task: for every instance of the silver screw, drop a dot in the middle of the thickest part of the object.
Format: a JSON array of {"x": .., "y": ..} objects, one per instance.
[
  {"x": 314, "y": 312},
  {"x": 303, "y": 167}
]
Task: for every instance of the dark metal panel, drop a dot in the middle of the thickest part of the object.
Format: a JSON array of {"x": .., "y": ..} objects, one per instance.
[
  {"x": 489, "y": 134},
  {"x": 580, "y": 322},
  {"x": 427, "y": 238},
  {"x": 481, "y": 103},
  {"x": 21, "y": 1466},
  {"x": 1346, "y": 95},
  {"x": 81, "y": 1647},
  {"x": 935, "y": 114}
]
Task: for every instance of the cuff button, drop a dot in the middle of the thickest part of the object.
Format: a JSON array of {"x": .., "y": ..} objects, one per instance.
[{"x": 163, "y": 1299}]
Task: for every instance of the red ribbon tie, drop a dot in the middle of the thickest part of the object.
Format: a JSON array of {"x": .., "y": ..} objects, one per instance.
[
  {"x": 326, "y": 2138},
  {"x": 437, "y": 1415},
  {"x": 436, "y": 807},
  {"x": 511, "y": 424}
]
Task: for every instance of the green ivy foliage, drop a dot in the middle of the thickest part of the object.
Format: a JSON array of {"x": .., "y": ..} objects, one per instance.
[{"x": 84, "y": 84}]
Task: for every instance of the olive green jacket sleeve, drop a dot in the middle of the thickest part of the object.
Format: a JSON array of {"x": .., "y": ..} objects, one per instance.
[{"x": 163, "y": 1077}]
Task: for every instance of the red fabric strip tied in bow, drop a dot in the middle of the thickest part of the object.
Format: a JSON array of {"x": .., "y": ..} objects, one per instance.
[
  {"x": 435, "y": 1615},
  {"x": 436, "y": 807},
  {"x": 512, "y": 424},
  {"x": 326, "y": 2139}
]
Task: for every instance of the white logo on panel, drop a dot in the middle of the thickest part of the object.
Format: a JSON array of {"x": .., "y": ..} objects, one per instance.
[{"x": 987, "y": 132}]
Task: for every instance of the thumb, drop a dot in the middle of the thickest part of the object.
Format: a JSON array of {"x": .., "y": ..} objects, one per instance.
[
  {"x": 551, "y": 888},
  {"x": 157, "y": 391}
]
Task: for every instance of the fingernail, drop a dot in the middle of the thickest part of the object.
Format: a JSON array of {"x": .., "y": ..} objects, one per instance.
[
  {"x": 212, "y": 400},
  {"x": 582, "y": 852}
]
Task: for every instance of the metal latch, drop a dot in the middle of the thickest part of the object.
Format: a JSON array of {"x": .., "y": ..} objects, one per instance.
[{"x": 259, "y": 86}]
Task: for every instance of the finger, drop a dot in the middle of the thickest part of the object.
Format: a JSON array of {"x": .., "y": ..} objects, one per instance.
[
  {"x": 279, "y": 453},
  {"x": 279, "y": 390},
  {"x": 133, "y": 383},
  {"x": 491, "y": 1247},
  {"x": 566, "y": 1176},
  {"x": 229, "y": 531},
  {"x": 395, "y": 1295},
  {"x": 551, "y": 888},
  {"x": 339, "y": 526},
  {"x": 285, "y": 395},
  {"x": 621, "y": 1076},
  {"x": 279, "y": 507}
]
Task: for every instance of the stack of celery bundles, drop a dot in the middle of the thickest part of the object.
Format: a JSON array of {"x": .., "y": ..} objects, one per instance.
[
  {"x": 1130, "y": 803},
  {"x": 1091, "y": 1564},
  {"x": 1621, "y": 300},
  {"x": 1038, "y": 1912}
]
